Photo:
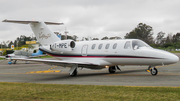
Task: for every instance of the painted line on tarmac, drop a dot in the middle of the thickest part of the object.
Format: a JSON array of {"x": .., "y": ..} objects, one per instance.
[
  {"x": 52, "y": 68},
  {"x": 45, "y": 71}
]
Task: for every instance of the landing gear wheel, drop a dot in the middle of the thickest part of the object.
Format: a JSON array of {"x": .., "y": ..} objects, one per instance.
[
  {"x": 14, "y": 62},
  {"x": 112, "y": 69},
  {"x": 154, "y": 71},
  {"x": 74, "y": 73}
]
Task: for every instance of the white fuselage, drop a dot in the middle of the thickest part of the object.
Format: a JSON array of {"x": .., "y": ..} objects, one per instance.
[{"x": 113, "y": 52}]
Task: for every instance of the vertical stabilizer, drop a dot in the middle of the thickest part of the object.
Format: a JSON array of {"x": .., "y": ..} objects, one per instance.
[{"x": 43, "y": 34}]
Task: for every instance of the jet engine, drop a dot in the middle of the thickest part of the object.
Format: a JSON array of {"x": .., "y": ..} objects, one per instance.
[{"x": 63, "y": 45}]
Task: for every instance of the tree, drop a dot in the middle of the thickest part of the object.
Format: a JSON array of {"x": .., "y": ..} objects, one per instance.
[
  {"x": 176, "y": 38},
  {"x": 116, "y": 37},
  {"x": 4, "y": 44},
  {"x": 143, "y": 32},
  {"x": 160, "y": 38},
  {"x": 169, "y": 38},
  {"x": 95, "y": 39},
  {"x": 105, "y": 38},
  {"x": 9, "y": 45}
]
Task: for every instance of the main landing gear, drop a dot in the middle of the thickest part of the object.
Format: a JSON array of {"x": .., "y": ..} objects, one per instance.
[
  {"x": 73, "y": 71},
  {"x": 113, "y": 69},
  {"x": 153, "y": 70}
]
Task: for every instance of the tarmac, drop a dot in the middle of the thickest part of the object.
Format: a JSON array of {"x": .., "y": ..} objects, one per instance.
[{"x": 128, "y": 76}]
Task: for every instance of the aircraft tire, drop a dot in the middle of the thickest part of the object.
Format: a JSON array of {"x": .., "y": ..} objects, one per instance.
[
  {"x": 154, "y": 71},
  {"x": 14, "y": 62},
  {"x": 74, "y": 73},
  {"x": 112, "y": 69}
]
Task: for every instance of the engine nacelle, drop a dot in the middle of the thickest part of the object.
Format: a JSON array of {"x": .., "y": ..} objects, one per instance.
[{"x": 63, "y": 45}]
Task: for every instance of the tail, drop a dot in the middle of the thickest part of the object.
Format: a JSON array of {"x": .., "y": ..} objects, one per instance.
[{"x": 43, "y": 34}]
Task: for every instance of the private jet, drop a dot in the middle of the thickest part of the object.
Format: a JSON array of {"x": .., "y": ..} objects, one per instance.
[
  {"x": 95, "y": 54},
  {"x": 21, "y": 54}
]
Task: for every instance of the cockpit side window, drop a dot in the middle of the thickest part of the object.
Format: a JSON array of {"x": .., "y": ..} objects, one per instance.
[
  {"x": 127, "y": 45},
  {"x": 136, "y": 44}
]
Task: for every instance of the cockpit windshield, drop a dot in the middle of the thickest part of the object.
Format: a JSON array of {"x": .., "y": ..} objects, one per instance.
[{"x": 137, "y": 43}]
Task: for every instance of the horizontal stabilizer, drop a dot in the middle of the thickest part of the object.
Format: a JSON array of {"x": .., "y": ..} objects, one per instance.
[{"x": 27, "y": 22}]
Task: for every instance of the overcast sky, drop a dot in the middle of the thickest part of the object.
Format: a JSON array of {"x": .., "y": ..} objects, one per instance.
[{"x": 93, "y": 18}]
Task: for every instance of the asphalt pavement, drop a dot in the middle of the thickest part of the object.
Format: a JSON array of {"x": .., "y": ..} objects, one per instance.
[{"x": 129, "y": 76}]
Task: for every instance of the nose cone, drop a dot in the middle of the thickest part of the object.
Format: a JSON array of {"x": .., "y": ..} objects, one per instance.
[
  {"x": 169, "y": 58},
  {"x": 173, "y": 58}
]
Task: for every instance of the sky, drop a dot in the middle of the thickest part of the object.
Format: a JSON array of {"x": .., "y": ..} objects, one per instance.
[{"x": 90, "y": 18}]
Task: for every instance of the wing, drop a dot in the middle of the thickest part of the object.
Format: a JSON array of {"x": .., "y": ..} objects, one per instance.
[{"x": 59, "y": 62}]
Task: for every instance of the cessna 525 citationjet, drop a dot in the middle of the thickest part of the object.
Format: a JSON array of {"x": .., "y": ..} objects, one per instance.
[{"x": 95, "y": 54}]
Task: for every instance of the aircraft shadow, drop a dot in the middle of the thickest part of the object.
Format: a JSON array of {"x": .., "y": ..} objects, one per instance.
[{"x": 83, "y": 75}]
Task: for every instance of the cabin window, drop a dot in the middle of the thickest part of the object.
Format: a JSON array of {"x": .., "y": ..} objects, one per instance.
[
  {"x": 114, "y": 46},
  {"x": 93, "y": 46},
  {"x": 127, "y": 45},
  {"x": 100, "y": 46},
  {"x": 107, "y": 46}
]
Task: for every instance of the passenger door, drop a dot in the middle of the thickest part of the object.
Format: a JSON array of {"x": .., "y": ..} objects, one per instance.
[{"x": 84, "y": 50}]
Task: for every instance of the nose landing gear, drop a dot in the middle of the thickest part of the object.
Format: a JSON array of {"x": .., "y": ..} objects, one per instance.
[{"x": 153, "y": 70}]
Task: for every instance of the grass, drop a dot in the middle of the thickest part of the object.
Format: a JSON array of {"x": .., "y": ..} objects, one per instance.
[
  {"x": 44, "y": 56},
  {"x": 56, "y": 92},
  {"x": 1, "y": 58},
  {"x": 175, "y": 51}
]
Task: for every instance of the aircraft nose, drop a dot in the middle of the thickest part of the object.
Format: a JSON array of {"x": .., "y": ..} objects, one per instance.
[
  {"x": 176, "y": 58},
  {"x": 173, "y": 58}
]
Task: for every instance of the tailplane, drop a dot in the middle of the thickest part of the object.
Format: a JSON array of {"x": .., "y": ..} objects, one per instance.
[{"x": 43, "y": 34}]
